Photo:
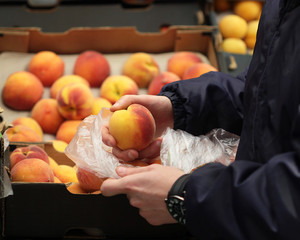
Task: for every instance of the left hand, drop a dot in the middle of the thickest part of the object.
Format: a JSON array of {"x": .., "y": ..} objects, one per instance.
[{"x": 146, "y": 188}]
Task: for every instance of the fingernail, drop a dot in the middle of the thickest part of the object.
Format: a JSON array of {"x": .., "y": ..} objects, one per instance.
[
  {"x": 121, "y": 170},
  {"x": 131, "y": 156},
  {"x": 117, "y": 104}
]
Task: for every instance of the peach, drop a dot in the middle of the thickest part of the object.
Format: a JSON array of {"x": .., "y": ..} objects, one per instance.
[
  {"x": 92, "y": 66},
  {"x": 31, "y": 151},
  {"x": 75, "y": 188},
  {"x": 100, "y": 103},
  {"x": 75, "y": 101},
  {"x": 46, "y": 113},
  {"x": 161, "y": 80},
  {"x": 53, "y": 164},
  {"x": 32, "y": 170},
  {"x": 65, "y": 80},
  {"x": 179, "y": 62},
  {"x": 67, "y": 130},
  {"x": 88, "y": 180},
  {"x": 22, "y": 90},
  {"x": 141, "y": 67},
  {"x": 56, "y": 180},
  {"x": 59, "y": 145},
  {"x": 117, "y": 86},
  {"x": 29, "y": 122},
  {"x": 21, "y": 133},
  {"x": 65, "y": 173},
  {"x": 47, "y": 66},
  {"x": 133, "y": 128},
  {"x": 197, "y": 70}
]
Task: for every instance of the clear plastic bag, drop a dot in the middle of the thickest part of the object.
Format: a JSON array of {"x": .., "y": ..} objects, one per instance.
[{"x": 179, "y": 149}]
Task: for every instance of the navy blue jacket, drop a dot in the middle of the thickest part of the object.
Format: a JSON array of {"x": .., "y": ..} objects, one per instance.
[{"x": 257, "y": 196}]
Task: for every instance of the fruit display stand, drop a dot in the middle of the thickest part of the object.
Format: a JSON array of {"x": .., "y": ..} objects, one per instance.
[{"x": 49, "y": 210}]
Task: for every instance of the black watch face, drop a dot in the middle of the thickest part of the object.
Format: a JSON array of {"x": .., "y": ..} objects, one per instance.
[{"x": 176, "y": 208}]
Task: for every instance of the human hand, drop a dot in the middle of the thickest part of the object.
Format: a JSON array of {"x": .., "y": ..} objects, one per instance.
[
  {"x": 161, "y": 109},
  {"x": 146, "y": 188}
]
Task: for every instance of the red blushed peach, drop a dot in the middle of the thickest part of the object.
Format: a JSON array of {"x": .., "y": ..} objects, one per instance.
[
  {"x": 75, "y": 101},
  {"x": 161, "y": 80},
  {"x": 22, "y": 90},
  {"x": 117, "y": 86},
  {"x": 29, "y": 122},
  {"x": 46, "y": 113},
  {"x": 21, "y": 133},
  {"x": 141, "y": 67},
  {"x": 100, "y": 103},
  {"x": 179, "y": 62},
  {"x": 133, "y": 128},
  {"x": 47, "y": 66},
  {"x": 65, "y": 80},
  {"x": 32, "y": 170},
  {"x": 93, "y": 67},
  {"x": 31, "y": 151},
  {"x": 197, "y": 70},
  {"x": 67, "y": 130},
  {"x": 89, "y": 181}
]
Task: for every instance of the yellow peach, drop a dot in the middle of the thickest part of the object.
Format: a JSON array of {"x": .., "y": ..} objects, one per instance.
[
  {"x": 67, "y": 130},
  {"x": 21, "y": 133},
  {"x": 100, "y": 103},
  {"x": 65, "y": 173},
  {"x": 29, "y": 122}
]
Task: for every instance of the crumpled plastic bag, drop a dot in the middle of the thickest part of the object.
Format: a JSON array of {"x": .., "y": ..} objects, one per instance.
[
  {"x": 5, "y": 183},
  {"x": 179, "y": 149}
]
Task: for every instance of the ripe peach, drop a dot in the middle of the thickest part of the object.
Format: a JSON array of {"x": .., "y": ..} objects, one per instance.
[
  {"x": 65, "y": 80},
  {"x": 117, "y": 86},
  {"x": 161, "y": 80},
  {"x": 99, "y": 103},
  {"x": 47, "y": 66},
  {"x": 75, "y": 101},
  {"x": 53, "y": 164},
  {"x": 67, "y": 130},
  {"x": 46, "y": 113},
  {"x": 197, "y": 70},
  {"x": 133, "y": 128},
  {"x": 179, "y": 62},
  {"x": 88, "y": 180},
  {"x": 76, "y": 189},
  {"x": 18, "y": 91},
  {"x": 141, "y": 67},
  {"x": 29, "y": 122},
  {"x": 65, "y": 173},
  {"x": 93, "y": 67},
  {"x": 31, "y": 151},
  {"x": 32, "y": 170},
  {"x": 21, "y": 133}
]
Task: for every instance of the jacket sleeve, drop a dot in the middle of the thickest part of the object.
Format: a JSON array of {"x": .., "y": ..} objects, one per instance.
[
  {"x": 247, "y": 200},
  {"x": 213, "y": 100}
]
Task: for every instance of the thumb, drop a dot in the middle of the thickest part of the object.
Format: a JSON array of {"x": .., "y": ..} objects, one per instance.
[{"x": 111, "y": 187}]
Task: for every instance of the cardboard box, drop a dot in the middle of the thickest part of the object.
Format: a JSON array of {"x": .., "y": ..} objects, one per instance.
[{"x": 48, "y": 210}]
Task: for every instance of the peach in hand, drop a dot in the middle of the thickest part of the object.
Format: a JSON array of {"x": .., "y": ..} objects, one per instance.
[
  {"x": 32, "y": 170},
  {"x": 47, "y": 66},
  {"x": 133, "y": 128},
  {"x": 75, "y": 101},
  {"x": 197, "y": 70},
  {"x": 161, "y": 80},
  {"x": 31, "y": 151},
  {"x": 92, "y": 66},
  {"x": 29, "y": 122},
  {"x": 141, "y": 67},
  {"x": 117, "y": 86},
  {"x": 21, "y": 133},
  {"x": 18, "y": 91}
]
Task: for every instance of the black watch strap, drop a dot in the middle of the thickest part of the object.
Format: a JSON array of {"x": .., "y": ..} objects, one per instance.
[{"x": 178, "y": 186}]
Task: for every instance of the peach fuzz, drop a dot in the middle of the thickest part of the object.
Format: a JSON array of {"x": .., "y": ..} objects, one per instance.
[
  {"x": 92, "y": 66},
  {"x": 100, "y": 103},
  {"x": 117, "y": 86},
  {"x": 29, "y": 122},
  {"x": 65, "y": 80},
  {"x": 161, "y": 80},
  {"x": 67, "y": 130},
  {"x": 141, "y": 67},
  {"x": 31, "y": 151},
  {"x": 197, "y": 70},
  {"x": 47, "y": 66},
  {"x": 65, "y": 173},
  {"x": 22, "y": 90},
  {"x": 88, "y": 180},
  {"x": 21, "y": 133},
  {"x": 179, "y": 62},
  {"x": 32, "y": 170},
  {"x": 46, "y": 113},
  {"x": 75, "y": 101},
  {"x": 133, "y": 128}
]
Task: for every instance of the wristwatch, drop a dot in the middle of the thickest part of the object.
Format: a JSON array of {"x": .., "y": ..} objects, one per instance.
[{"x": 175, "y": 199}]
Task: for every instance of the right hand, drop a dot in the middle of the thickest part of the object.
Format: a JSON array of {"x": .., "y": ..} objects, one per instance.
[{"x": 162, "y": 111}]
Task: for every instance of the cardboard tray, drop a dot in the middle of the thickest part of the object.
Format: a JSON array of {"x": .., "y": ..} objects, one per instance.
[{"x": 48, "y": 210}]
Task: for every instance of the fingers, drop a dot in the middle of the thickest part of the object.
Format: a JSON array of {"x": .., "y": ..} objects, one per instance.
[
  {"x": 125, "y": 171},
  {"x": 123, "y": 102},
  {"x": 107, "y": 138},
  {"x": 125, "y": 155},
  {"x": 111, "y": 187},
  {"x": 152, "y": 151}
]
